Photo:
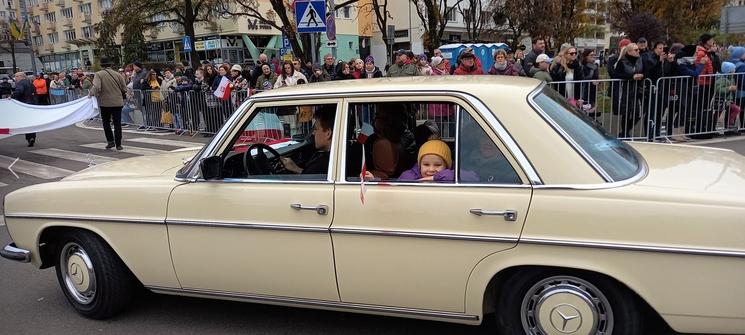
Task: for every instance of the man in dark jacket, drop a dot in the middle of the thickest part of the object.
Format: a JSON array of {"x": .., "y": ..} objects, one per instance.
[
  {"x": 658, "y": 64},
  {"x": 256, "y": 73},
  {"x": 539, "y": 47},
  {"x": 24, "y": 92}
]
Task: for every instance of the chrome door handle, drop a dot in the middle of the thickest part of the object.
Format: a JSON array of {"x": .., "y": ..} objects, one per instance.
[
  {"x": 320, "y": 209},
  {"x": 508, "y": 215}
]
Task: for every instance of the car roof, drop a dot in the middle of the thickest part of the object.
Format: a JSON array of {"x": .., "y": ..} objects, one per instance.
[{"x": 485, "y": 84}]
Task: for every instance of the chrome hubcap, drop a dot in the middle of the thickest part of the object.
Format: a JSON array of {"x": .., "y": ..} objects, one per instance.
[
  {"x": 566, "y": 305},
  {"x": 77, "y": 273}
]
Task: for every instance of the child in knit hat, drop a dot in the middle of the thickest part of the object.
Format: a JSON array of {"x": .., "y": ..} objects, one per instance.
[
  {"x": 434, "y": 163},
  {"x": 726, "y": 89}
]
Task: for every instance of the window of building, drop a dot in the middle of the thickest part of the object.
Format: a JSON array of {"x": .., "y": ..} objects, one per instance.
[
  {"x": 51, "y": 17},
  {"x": 67, "y": 12},
  {"x": 53, "y": 38},
  {"x": 451, "y": 14},
  {"x": 12, "y": 15},
  {"x": 2, "y": 14},
  {"x": 38, "y": 40},
  {"x": 36, "y": 19},
  {"x": 344, "y": 12},
  {"x": 85, "y": 8},
  {"x": 87, "y": 32},
  {"x": 70, "y": 35},
  {"x": 401, "y": 33},
  {"x": 104, "y": 4}
]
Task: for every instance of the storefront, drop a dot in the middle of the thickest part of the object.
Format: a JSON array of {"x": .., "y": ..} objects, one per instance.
[{"x": 61, "y": 62}]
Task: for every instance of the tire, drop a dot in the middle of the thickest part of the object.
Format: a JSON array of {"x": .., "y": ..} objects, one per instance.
[
  {"x": 93, "y": 278},
  {"x": 551, "y": 302}
]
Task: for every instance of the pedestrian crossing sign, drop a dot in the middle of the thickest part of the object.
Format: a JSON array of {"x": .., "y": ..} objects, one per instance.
[{"x": 310, "y": 16}]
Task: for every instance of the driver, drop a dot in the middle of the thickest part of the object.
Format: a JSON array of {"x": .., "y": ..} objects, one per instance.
[{"x": 322, "y": 134}]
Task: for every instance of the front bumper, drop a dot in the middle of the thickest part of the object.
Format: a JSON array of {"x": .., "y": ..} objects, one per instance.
[{"x": 10, "y": 251}]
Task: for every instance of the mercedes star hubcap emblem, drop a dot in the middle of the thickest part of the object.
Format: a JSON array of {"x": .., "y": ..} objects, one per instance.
[{"x": 566, "y": 318}]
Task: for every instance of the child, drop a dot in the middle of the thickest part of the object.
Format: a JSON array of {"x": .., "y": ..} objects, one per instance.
[
  {"x": 540, "y": 71},
  {"x": 434, "y": 163},
  {"x": 726, "y": 89}
]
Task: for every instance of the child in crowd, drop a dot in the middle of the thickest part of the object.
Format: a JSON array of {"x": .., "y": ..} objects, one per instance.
[
  {"x": 540, "y": 71},
  {"x": 434, "y": 163},
  {"x": 726, "y": 88}
]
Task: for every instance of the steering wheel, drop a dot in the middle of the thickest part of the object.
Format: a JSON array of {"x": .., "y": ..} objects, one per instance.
[{"x": 261, "y": 164}]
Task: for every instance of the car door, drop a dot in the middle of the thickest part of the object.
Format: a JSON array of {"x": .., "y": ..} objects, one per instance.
[
  {"x": 266, "y": 235},
  {"x": 413, "y": 244}
]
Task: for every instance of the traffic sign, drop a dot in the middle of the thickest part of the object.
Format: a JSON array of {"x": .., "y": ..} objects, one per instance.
[
  {"x": 310, "y": 16},
  {"x": 186, "y": 41},
  {"x": 286, "y": 42},
  {"x": 331, "y": 44}
]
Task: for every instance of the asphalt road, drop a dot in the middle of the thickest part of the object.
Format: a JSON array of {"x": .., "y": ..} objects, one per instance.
[{"x": 31, "y": 301}]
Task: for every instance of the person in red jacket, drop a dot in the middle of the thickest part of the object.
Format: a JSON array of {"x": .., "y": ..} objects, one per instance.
[{"x": 468, "y": 65}]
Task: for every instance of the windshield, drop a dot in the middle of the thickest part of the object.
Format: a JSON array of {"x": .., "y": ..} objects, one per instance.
[{"x": 613, "y": 156}]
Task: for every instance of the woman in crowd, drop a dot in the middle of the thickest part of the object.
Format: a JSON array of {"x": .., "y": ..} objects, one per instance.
[
  {"x": 267, "y": 78},
  {"x": 359, "y": 68},
  {"x": 422, "y": 66},
  {"x": 371, "y": 71},
  {"x": 588, "y": 90},
  {"x": 629, "y": 67},
  {"x": 222, "y": 71},
  {"x": 567, "y": 69},
  {"x": 439, "y": 67},
  {"x": 345, "y": 73},
  {"x": 289, "y": 76},
  {"x": 503, "y": 66}
]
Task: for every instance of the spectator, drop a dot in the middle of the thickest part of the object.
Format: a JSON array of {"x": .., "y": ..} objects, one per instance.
[
  {"x": 359, "y": 68},
  {"x": 726, "y": 89},
  {"x": 297, "y": 63},
  {"x": 41, "y": 90},
  {"x": 188, "y": 71},
  {"x": 702, "y": 58},
  {"x": 328, "y": 66},
  {"x": 543, "y": 62},
  {"x": 237, "y": 82},
  {"x": 642, "y": 43},
  {"x": 567, "y": 69},
  {"x": 86, "y": 82},
  {"x": 402, "y": 67},
  {"x": 658, "y": 64},
  {"x": 257, "y": 70},
  {"x": 440, "y": 67},
  {"x": 438, "y": 53},
  {"x": 737, "y": 58},
  {"x": 109, "y": 88},
  {"x": 210, "y": 74},
  {"x": 24, "y": 92},
  {"x": 344, "y": 72},
  {"x": 222, "y": 71},
  {"x": 539, "y": 47},
  {"x": 615, "y": 88},
  {"x": 371, "y": 71},
  {"x": 267, "y": 78},
  {"x": 423, "y": 68},
  {"x": 139, "y": 78},
  {"x": 289, "y": 76},
  {"x": 630, "y": 68},
  {"x": 503, "y": 66},
  {"x": 588, "y": 90},
  {"x": 467, "y": 65},
  {"x": 168, "y": 83},
  {"x": 319, "y": 75}
]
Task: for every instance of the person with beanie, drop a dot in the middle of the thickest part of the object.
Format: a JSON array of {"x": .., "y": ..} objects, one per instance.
[
  {"x": 319, "y": 75},
  {"x": 422, "y": 65},
  {"x": 468, "y": 65},
  {"x": 726, "y": 89},
  {"x": 434, "y": 163},
  {"x": 371, "y": 71},
  {"x": 440, "y": 66}
]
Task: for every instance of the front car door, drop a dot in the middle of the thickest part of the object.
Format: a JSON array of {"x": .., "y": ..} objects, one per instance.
[
  {"x": 413, "y": 244},
  {"x": 260, "y": 234}
]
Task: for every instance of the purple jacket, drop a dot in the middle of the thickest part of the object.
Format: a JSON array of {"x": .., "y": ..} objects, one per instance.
[{"x": 415, "y": 174}]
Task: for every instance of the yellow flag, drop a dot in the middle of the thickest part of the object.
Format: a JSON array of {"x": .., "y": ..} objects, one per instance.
[{"x": 16, "y": 32}]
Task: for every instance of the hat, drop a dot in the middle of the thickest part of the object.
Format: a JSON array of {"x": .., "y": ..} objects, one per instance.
[
  {"x": 137, "y": 64},
  {"x": 369, "y": 59},
  {"x": 641, "y": 40},
  {"x": 467, "y": 54},
  {"x": 436, "y": 147},
  {"x": 422, "y": 57},
  {"x": 436, "y": 60},
  {"x": 728, "y": 67},
  {"x": 236, "y": 67},
  {"x": 400, "y": 52},
  {"x": 623, "y": 43},
  {"x": 736, "y": 53},
  {"x": 543, "y": 58},
  {"x": 105, "y": 61}
]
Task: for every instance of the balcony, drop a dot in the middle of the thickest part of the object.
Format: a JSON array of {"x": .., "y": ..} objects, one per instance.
[
  {"x": 66, "y": 46},
  {"x": 44, "y": 6},
  {"x": 35, "y": 29},
  {"x": 61, "y": 3},
  {"x": 52, "y": 27},
  {"x": 87, "y": 18},
  {"x": 49, "y": 48},
  {"x": 68, "y": 22}
]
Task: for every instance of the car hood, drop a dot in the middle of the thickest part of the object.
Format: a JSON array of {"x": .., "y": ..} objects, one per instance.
[
  {"x": 693, "y": 168},
  {"x": 143, "y": 166}
]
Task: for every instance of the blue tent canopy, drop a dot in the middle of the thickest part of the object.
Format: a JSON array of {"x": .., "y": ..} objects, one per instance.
[{"x": 484, "y": 51}]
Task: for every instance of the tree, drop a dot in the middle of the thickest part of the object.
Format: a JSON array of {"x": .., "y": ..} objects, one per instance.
[
  {"x": 645, "y": 25},
  {"x": 679, "y": 20},
  {"x": 380, "y": 9},
  {"x": 434, "y": 15},
  {"x": 571, "y": 19},
  {"x": 536, "y": 17},
  {"x": 137, "y": 16},
  {"x": 474, "y": 19}
]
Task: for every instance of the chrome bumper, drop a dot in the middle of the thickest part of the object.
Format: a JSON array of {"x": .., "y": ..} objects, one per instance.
[{"x": 10, "y": 251}]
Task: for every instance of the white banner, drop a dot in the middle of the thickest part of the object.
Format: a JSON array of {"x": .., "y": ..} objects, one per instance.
[{"x": 18, "y": 118}]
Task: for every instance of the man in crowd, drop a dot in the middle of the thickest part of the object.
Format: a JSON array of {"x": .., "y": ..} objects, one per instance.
[
  {"x": 658, "y": 64},
  {"x": 256, "y": 73},
  {"x": 109, "y": 88},
  {"x": 642, "y": 44},
  {"x": 138, "y": 80},
  {"x": 539, "y": 47},
  {"x": 328, "y": 66},
  {"x": 403, "y": 66},
  {"x": 24, "y": 92},
  {"x": 41, "y": 90}
]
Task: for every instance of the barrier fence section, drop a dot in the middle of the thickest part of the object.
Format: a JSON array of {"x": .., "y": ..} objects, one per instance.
[{"x": 629, "y": 109}]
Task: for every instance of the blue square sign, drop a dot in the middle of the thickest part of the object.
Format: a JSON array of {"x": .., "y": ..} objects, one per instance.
[{"x": 310, "y": 16}]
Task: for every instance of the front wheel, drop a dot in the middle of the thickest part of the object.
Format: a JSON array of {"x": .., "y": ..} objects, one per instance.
[
  {"x": 93, "y": 278},
  {"x": 556, "y": 303}
]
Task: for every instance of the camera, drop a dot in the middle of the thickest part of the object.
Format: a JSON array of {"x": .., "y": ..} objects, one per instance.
[{"x": 666, "y": 49}]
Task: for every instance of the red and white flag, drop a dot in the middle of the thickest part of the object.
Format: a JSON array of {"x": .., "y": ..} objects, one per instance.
[
  {"x": 223, "y": 90},
  {"x": 363, "y": 134}
]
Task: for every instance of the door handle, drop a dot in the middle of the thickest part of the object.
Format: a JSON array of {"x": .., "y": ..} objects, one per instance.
[
  {"x": 508, "y": 215},
  {"x": 320, "y": 209}
]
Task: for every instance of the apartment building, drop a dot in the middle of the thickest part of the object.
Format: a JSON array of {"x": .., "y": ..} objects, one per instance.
[{"x": 63, "y": 35}]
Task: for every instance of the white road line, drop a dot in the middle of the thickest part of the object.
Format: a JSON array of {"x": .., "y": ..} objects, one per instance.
[
  {"x": 173, "y": 143},
  {"x": 2, "y": 220},
  {"x": 34, "y": 169},
  {"x": 3, "y": 185},
  {"x": 127, "y": 149},
  {"x": 74, "y": 156},
  {"x": 131, "y": 130}
]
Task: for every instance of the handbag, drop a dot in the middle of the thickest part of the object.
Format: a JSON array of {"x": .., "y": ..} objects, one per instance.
[
  {"x": 166, "y": 117},
  {"x": 124, "y": 94}
]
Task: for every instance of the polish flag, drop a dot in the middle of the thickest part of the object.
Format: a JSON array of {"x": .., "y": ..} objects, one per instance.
[
  {"x": 4, "y": 131},
  {"x": 223, "y": 90},
  {"x": 362, "y": 135}
]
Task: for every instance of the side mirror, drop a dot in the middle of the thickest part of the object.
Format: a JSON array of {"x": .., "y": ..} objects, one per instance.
[{"x": 211, "y": 168}]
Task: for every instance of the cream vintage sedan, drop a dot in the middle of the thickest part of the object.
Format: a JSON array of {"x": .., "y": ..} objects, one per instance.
[{"x": 536, "y": 215}]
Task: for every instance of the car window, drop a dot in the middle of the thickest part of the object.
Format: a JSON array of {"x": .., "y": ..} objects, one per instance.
[
  {"x": 290, "y": 131},
  {"x": 416, "y": 142},
  {"x": 613, "y": 156}
]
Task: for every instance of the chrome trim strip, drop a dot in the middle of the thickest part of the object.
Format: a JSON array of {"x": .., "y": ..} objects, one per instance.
[
  {"x": 567, "y": 138},
  {"x": 635, "y": 247},
  {"x": 317, "y": 303},
  {"x": 639, "y": 176},
  {"x": 266, "y": 181},
  {"x": 82, "y": 218},
  {"x": 246, "y": 226},
  {"x": 377, "y": 232},
  {"x": 421, "y": 184},
  {"x": 11, "y": 252}
]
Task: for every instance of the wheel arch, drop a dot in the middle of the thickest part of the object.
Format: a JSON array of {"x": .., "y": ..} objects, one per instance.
[{"x": 50, "y": 235}]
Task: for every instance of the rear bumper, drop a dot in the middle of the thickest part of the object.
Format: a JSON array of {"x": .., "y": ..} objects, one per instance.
[{"x": 10, "y": 251}]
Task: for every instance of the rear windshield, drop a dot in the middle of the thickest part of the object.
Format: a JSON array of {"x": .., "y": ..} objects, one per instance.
[{"x": 613, "y": 156}]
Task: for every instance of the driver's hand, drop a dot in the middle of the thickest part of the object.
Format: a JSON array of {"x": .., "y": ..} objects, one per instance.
[{"x": 290, "y": 165}]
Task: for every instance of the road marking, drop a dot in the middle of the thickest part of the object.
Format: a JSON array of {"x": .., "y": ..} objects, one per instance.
[
  {"x": 173, "y": 143},
  {"x": 87, "y": 158},
  {"x": 82, "y": 124},
  {"x": 3, "y": 185},
  {"x": 127, "y": 149},
  {"x": 34, "y": 169},
  {"x": 2, "y": 220}
]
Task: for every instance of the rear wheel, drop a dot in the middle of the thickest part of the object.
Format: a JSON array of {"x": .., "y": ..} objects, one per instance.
[
  {"x": 93, "y": 278},
  {"x": 559, "y": 303}
]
